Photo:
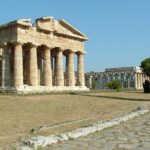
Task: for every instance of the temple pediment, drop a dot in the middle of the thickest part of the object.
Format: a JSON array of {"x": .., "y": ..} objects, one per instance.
[
  {"x": 67, "y": 29},
  {"x": 48, "y": 25},
  {"x": 59, "y": 27}
]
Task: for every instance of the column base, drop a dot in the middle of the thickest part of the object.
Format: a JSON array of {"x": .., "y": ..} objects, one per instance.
[{"x": 25, "y": 89}]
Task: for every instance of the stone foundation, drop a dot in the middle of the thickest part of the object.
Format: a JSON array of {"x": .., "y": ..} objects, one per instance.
[{"x": 25, "y": 89}]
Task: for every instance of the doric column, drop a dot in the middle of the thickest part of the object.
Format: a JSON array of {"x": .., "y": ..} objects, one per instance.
[
  {"x": 90, "y": 81},
  {"x": 141, "y": 80},
  {"x": 18, "y": 64},
  {"x": 136, "y": 80},
  {"x": 59, "y": 73},
  {"x": 81, "y": 78},
  {"x": 1, "y": 54},
  {"x": 5, "y": 66},
  {"x": 47, "y": 67},
  {"x": 33, "y": 70},
  {"x": 53, "y": 69},
  {"x": 129, "y": 76},
  {"x": 122, "y": 80},
  {"x": 70, "y": 80}
]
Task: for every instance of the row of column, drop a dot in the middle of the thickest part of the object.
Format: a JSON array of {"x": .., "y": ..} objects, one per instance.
[
  {"x": 47, "y": 67},
  {"x": 135, "y": 80}
]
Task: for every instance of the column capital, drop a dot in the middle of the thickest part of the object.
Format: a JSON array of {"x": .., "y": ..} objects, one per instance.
[
  {"x": 3, "y": 44},
  {"x": 32, "y": 45},
  {"x": 47, "y": 47},
  {"x": 80, "y": 53},
  {"x": 68, "y": 51},
  {"x": 58, "y": 49},
  {"x": 17, "y": 43}
]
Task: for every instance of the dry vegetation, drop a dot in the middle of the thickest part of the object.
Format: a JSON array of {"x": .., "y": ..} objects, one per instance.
[{"x": 19, "y": 114}]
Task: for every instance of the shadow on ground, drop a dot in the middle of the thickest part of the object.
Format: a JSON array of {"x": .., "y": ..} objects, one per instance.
[{"x": 118, "y": 98}]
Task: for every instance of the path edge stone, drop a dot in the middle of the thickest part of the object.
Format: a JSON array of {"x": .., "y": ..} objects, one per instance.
[{"x": 43, "y": 141}]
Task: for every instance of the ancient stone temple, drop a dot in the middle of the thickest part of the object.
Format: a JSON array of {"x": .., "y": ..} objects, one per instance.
[
  {"x": 129, "y": 77},
  {"x": 32, "y": 56}
]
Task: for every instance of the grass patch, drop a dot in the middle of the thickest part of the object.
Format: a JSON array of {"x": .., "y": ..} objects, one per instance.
[{"x": 20, "y": 113}]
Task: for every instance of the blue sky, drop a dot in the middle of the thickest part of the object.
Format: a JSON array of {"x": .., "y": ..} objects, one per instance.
[{"x": 118, "y": 31}]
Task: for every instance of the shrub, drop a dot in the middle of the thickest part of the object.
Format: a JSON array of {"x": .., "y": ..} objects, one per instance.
[{"x": 114, "y": 84}]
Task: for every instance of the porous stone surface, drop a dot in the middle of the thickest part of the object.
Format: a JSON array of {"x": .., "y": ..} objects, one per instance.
[{"x": 42, "y": 141}]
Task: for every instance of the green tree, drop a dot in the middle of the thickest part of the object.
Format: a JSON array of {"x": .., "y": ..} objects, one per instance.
[
  {"x": 145, "y": 65},
  {"x": 114, "y": 84}
]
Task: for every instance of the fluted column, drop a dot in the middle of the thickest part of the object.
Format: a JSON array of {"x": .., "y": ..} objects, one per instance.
[
  {"x": 47, "y": 67},
  {"x": 122, "y": 80},
  {"x": 129, "y": 78},
  {"x": 18, "y": 65},
  {"x": 90, "y": 82},
  {"x": 1, "y": 67},
  {"x": 136, "y": 80},
  {"x": 59, "y": 68},
  {"x": 81, "y": 79},
  {"x": 33, "y": 69},
  {"x": 70, "y": 69},
  {"x": 141, "y": 80},
  {"x": 5, "y": 66}
]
